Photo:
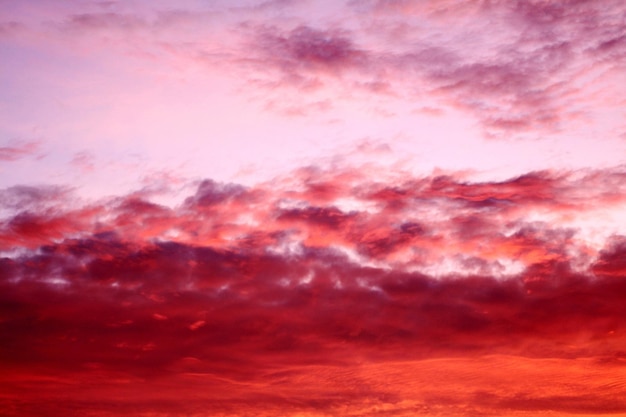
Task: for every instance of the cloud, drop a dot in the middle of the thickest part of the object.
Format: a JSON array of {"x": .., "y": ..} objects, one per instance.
[
  {"x": 26, "y": 197},
  {"x": 261, "y": 305},
  {"x": 530, "y": 77},
  {"x": 332, "y": 290},
  {"x": 84, "y": 161},
  {"x": 303, "y": 57},
  {"x": 612, "y": 260},
  {"x": 264, "y": 286},
  {"x": 511, "y": 93},
  {"x": 309, "y": 48},
  {"x": 211, "y": 193},
  {"x": 18, "y": 151}
]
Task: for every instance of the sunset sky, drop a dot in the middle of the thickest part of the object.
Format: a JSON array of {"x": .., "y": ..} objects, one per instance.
[{"x": 312, "y": 208}]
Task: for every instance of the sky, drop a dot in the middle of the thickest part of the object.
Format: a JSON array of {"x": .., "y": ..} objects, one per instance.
[{"x": 313, "y": 208}]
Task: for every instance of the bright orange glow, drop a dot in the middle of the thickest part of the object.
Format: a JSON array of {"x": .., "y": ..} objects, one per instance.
[{"x": 488, "y": 385}]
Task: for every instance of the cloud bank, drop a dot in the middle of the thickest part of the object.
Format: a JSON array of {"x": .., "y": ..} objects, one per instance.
[{"x": 319, "y": 292}]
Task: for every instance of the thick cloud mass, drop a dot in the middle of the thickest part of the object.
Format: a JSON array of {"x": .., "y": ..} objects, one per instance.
[{"x": 280, "y": 297}]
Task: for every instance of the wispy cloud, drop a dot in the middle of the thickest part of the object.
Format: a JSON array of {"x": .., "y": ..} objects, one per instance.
[
  {"x": 18, "y": 151},
  {"x": 532, "y": 75},
  {"x": 523, "y": 67}
]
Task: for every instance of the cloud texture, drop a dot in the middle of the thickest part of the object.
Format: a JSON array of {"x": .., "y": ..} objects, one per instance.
[
  {"x": 517, "y": 67},
  {"x": 326, "y": 292},
  {"x": 312, "y": 208}
]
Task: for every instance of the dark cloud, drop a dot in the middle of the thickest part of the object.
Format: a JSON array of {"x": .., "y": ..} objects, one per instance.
[
  {"x": 329, "y": 217},
  {"x": 22, "y": 197},
  {"x": 211, "y": 193},
  {"x": 252, "y": 304},
  {"x": 612, "y": 259},
  {"x": 308, "y": 48}
]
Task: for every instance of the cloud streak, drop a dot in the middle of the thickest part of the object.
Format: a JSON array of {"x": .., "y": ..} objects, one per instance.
[{"x": 18, "y": 151}]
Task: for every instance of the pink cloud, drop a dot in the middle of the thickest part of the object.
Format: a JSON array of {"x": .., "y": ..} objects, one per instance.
[
  {"x": 526, "y": 85},
  {"x": 308, "y": 48},
  {"x": 533, "y": 77},
  {"x": 18, "y": 151}
]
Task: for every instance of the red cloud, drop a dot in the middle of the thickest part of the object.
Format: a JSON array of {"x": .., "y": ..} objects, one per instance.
[{"x": 263, "y": 312}]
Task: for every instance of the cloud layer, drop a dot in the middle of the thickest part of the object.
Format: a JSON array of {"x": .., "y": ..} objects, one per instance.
[
  {"x": 523, "y": 66},
  {"x": 517, "y": 68},
  {"x": 320, "y": 292}
]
